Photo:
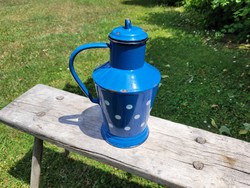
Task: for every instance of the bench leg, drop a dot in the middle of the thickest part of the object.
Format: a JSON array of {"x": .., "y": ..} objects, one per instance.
[
  {"x": 36, "y": 163},
  {"x": 66, "y": 153}
]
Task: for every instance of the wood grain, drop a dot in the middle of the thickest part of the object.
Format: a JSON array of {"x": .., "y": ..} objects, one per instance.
[{"x": 175, "y": 155}]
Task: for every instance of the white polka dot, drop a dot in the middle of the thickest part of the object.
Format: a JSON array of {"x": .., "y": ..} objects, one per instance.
[
  {"x": 127, "y": 128},
  {"x": 148, "y": 102},
  {"x": 107, "y": 102},
  {"x": 118, "y": 117},
  {"x": 137, "y": 116},
  {"x": 129, "y": 106},
  {"x": 111, "y": 126},
  {"x": 143, "y": 123}
]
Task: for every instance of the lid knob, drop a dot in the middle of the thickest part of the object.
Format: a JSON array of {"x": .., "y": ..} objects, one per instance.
[
  {"x": 128, "y": 24},
  {"x": 128, "y": 34}
]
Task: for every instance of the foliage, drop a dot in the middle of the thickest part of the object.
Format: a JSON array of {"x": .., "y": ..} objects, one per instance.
[
  {"x": 228, "y": 16},
  {"x": 246, "y": 129}
]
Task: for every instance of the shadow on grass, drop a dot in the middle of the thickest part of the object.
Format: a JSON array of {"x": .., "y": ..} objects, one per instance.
[
  {"x": 151, "y": 3},
  {"x": 177, "y": 21},
  {"x": 73, "y": 89},
  {"x": 148, "y": 3},
  {"x": 76, "y": 89},
  {"x": 60, "y": 171}
]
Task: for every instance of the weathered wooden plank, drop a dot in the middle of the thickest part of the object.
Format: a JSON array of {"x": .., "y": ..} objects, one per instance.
[
  {"x": 36, "y": 163},
  {"x": 169, "y": 156}
]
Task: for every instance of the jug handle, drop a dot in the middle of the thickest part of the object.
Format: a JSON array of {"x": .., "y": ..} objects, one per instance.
[{"x": 72, "y": 69}]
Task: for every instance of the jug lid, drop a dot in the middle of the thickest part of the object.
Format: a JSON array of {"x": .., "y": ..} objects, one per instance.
[{"x": 128, "y": 34}]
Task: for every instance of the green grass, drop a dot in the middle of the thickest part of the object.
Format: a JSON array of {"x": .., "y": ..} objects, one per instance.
[{"x": 205, "y": 83}]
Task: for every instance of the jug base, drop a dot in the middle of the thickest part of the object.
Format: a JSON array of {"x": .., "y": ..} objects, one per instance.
[{"x": 124, "y": 142}]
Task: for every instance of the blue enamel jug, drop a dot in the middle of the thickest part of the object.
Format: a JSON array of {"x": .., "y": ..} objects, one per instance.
[{"x": 126, "y": 86}]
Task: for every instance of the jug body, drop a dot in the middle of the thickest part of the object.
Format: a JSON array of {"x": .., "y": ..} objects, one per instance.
[
  {"x": 126, "y": 98},
  {"x": 126, "y": 86},
  {"x": 125, "y": 115}
]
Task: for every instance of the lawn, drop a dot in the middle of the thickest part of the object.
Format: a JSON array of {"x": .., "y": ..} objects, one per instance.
[{"x": 205, "y": 83}]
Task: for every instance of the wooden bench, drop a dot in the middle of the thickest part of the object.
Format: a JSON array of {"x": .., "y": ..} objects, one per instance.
[{"x": 174, "y": 155}]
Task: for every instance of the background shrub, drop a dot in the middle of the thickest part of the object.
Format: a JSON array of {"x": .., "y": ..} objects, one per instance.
[{"x": 227, "y": 16}]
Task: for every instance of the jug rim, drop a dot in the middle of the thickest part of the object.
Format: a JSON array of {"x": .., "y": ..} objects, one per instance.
[{"x": 128, "y": 42}]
